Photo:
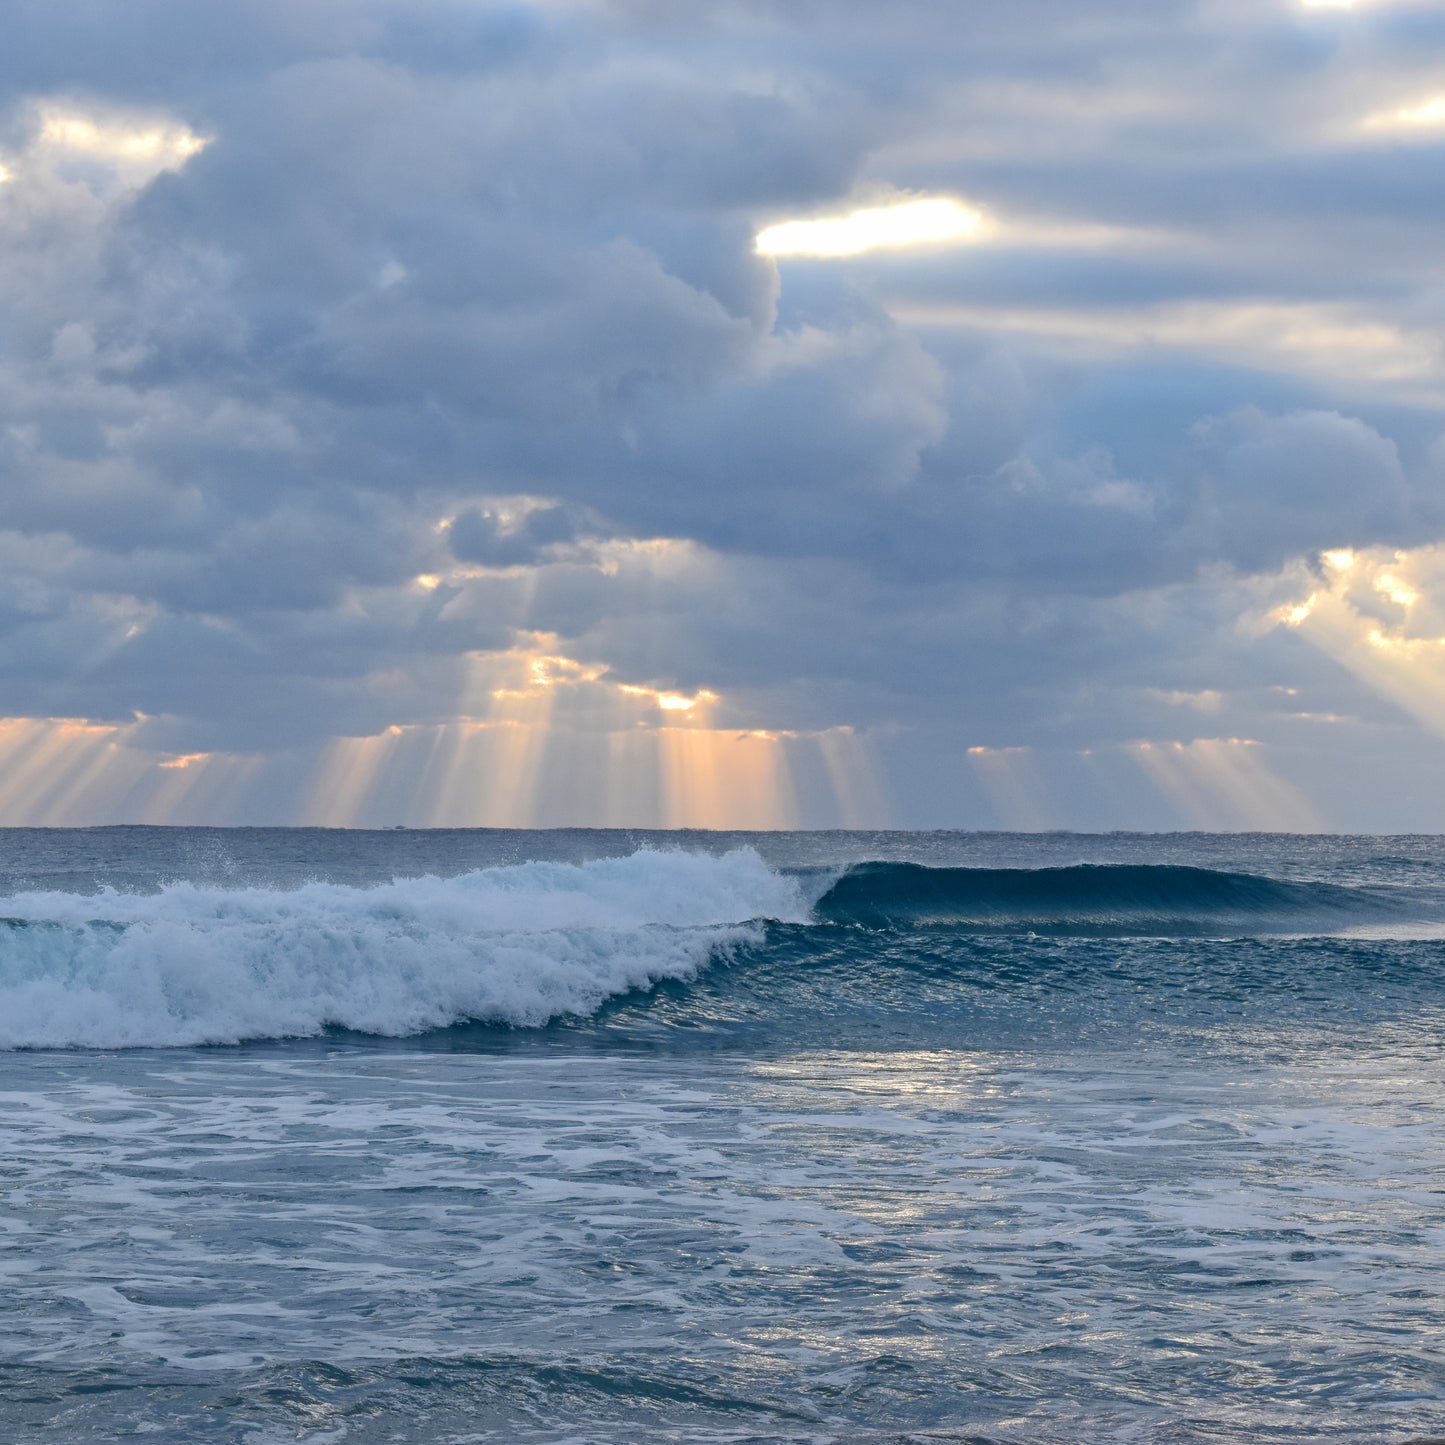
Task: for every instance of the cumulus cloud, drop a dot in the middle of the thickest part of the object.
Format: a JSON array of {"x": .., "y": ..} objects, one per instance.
[{"x": 353, "y": 352}]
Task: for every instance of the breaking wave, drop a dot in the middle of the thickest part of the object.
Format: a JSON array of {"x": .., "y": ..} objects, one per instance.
[
  {"x": 527, "y": 944},
  {"x": 517, "y": 945}
]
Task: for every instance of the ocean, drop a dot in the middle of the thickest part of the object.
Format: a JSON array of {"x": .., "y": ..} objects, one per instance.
[{"x": 461, "y": 1136}]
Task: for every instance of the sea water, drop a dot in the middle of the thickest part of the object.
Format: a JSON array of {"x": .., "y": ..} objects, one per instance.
[{"x": 579, "y": 1136}]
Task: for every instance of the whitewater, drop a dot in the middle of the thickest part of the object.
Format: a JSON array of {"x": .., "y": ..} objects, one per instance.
[
  {"x": 604, "y": 1136},
  {"x": 517, "y": 945}
]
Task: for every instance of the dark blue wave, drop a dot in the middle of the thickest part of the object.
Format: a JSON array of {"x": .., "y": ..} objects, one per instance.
[{"x": 1091, "y": 899}]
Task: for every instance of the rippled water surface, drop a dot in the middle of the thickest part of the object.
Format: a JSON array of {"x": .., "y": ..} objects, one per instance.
[{"x": 945, "y": 1177}]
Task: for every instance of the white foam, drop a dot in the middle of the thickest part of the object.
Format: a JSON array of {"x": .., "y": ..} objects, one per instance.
[{"x": 518, "y": 945}]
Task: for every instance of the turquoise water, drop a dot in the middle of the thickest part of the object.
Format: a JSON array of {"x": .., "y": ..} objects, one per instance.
[{"x": 425, "y": 1136}]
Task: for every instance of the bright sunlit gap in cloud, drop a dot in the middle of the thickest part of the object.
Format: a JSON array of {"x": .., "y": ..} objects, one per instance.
[
  {"x": 1377, "y": 612},
  {"x": 1425, "y": 115},
  {"x": 667, "y": 701},
  {"x": 909, "y": 223},
  {"x": 112, "y": 148},
  {"x": 119, "y": 140}
]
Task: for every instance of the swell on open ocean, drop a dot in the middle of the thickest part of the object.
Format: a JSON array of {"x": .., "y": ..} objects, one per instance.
[{"x": 600, "y": 1136}]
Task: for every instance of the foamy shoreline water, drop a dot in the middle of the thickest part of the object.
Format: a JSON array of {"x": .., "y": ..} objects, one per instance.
[{"x": 827, "y": 1178}]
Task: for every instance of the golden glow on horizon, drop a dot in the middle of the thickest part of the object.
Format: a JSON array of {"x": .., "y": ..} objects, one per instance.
[
  {"x": 511, "y": 789},
  {"x": 346, "y": 777},
  {"x": 1218, "y": 784},
  {"x": 722, "y": 779},
  {"x": 45, "y": 762},
  {"x": 203, "y": 781},
  {"x": 534, "y": 738},
  {"x": 57, "y": 771},
  {"x": 875, "y": 228},
  {"x": 1224, "y": 784},
  {"x": 538, "y": 763},
  {"x": 517, "y": 773},
  {"x": 545, "y": 739}
]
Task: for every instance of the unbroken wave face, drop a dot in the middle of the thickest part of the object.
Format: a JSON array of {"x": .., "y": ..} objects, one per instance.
[
  {"x": 1092, "y": 899},
  {"x": 519, "y": 945}
]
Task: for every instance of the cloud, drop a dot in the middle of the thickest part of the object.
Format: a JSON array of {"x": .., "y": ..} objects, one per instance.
[
  {"x": 522, "y": 537},
  {"x": 1279, "y": 487},
  {"x": 926, "y": 221},
  {"x": 357, "y": 355}
]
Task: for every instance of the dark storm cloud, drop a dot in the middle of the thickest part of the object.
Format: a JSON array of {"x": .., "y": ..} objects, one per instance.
[{"x": 475, "y": 284}]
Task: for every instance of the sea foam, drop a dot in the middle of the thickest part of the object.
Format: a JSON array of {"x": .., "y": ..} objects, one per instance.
[{"x": 515, "y": 945}]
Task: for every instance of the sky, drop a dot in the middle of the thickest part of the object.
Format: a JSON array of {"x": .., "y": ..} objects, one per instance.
[{"x": 768, "y": 413}]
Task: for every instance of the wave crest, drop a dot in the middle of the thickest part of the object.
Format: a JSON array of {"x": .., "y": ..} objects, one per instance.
[
  {"x": 1087, "y": 898},
  {"x": 517, "y": 945}
]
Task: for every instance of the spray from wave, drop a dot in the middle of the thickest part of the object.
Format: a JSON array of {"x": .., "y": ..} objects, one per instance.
[
  {"x": 526, "y": 944},
  {"x": 518, "y": 945}
]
